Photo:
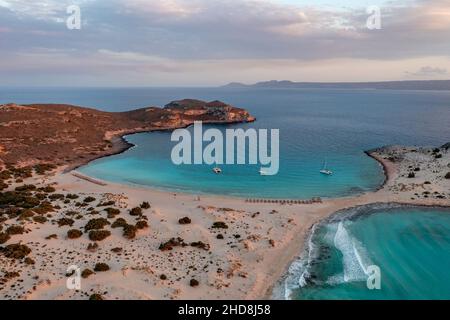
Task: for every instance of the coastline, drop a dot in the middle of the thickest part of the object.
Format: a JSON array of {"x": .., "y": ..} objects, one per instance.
[
  {"x": 121, "y": 145},
  {"x": 387, "y": 170},
  {"x": 293, "y": 251},
  {"x": 271, "y": 237}
]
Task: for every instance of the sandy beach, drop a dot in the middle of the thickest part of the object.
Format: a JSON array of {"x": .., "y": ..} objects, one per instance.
[{"x": 226, "y": 248}]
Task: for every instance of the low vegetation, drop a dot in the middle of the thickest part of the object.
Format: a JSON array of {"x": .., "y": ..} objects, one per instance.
[
  {"x": 129, "y": 231},
  {"x": 74, "y": 234},
  {"x": 15, "y": 251},
  {"x": 174, "y": 242},
  {"x": 185, "y": 220},
  {"x": 99, "y": 235},
  {"x": 219, "y": 225},
  {"x": 96, "y": 224},
  {"x": 136, "y": 211},
  {"x": 145, "y": 205},
  {"x": 101, "y": 267},
  {"x": 142, "y": 224}
]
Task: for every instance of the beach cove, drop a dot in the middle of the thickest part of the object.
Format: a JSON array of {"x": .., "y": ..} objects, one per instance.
[{"x": 257, "y": 242}]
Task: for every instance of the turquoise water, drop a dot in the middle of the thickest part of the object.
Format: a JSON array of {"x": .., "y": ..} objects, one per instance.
[
  {"x": 410, "y": 245},
  {"x": 314, "y": 124}
]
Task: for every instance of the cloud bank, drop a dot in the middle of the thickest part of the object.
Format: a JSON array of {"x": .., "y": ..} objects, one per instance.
[{"x": 188, "y": 42}]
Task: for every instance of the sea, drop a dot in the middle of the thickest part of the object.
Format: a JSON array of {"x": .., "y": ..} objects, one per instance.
[{"x": 316, "y": 126}]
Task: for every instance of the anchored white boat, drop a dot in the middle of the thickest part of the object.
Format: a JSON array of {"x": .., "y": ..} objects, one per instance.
[
  {"x": 217, "y": 170},
  {"x": 325, "y": 169},
  {"x": 262, "y": 172}
]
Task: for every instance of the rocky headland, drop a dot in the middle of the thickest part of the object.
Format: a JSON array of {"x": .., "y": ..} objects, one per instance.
[{"x": 72, "y": 135}]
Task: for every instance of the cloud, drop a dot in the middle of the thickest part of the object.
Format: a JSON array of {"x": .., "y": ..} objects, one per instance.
[
  {"x": 177, "y": 35},
  {"x": 428, "y": 71}
]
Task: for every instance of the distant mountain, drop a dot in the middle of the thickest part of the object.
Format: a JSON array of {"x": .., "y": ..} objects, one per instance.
[{"x": 387, "y": 85}]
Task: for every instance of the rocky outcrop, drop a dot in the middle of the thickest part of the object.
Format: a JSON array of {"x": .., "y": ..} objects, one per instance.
[
  {"x": 72, "y": 135},
  {"x": 446, "y": 146}
]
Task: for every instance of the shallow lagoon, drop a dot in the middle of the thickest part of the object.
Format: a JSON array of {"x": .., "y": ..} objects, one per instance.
[{"x": 412, "y": 252}]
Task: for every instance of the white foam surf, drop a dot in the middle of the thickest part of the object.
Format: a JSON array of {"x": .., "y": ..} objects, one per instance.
[{"x": 355, "y": 259}]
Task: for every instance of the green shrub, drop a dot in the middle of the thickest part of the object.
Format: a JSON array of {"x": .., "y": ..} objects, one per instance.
[
  {"x": 26, "y": 214},
  {"x": 3, "y": 185},
  {"x": 4, "y": 237},
  {"x": 56, "y": 196},
  {"x": 40, "y": 219},
  {"x": 24, "y": 172},
  {"x": 219, "y": 225},
  {"x": 96, "y": 224},
  {"x": 129, "y": 231},
  {"x": 5, "y": 175},
  {"x": 142, "y": 224},
  {"x": 13, "y": 230},
  {"x": 48, "y": 189},
  {"x": 119, "y": 223},
  {"x": 40, "y": 196},
  {"x": 101, "y": 267},
  {"x": 112, "y": 212},
  {"x": 174, "y": 242},
  {"x": 26, "y": 187},
  {"x": 74, "y": 234},
  {"x": 42, "y": 168},
  {"x": 65, "y": 222},
  {"x": 92, "y": 247},
  {"x": 44, "y": 207},
  {"x": 89, "y": 199},
  {"x": 106, "y": 204},
  {"x": 185, "y": 220},
  {"x": 145, "y": 205},
  {"x": 99, "y": 235},
  {"x": 16, "y": 251},
  {"x": 200, "y": 245},
  {"x": 194, "y": 283},
  {"x": 136, "y": 211},
  {"x": 96, "y": 296},
  {"x": 86, "y": 273}
]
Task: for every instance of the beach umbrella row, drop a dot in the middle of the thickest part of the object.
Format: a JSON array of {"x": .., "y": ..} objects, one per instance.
[{"x": 285, "y": 201}]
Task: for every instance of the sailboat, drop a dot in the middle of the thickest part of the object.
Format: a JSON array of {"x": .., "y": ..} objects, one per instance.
[{"x": 325, "y": 169}]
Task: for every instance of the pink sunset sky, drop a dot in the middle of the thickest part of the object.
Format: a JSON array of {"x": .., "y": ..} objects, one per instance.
[{"x": 213, "y": 42}]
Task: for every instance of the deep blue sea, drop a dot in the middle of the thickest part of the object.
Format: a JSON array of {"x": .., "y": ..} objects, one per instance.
[
  {"x": 315, "y": 125},
  {"x": 338, "y": 125}
]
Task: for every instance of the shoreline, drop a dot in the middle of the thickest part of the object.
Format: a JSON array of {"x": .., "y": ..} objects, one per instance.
[
  {"x": 371, "y": 206},
  {"x": 297, "y": 245},
  {"x": 271, "y": 237},
  {"x": 121, "y": 145}
]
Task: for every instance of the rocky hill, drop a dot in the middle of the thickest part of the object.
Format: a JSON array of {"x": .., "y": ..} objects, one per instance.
[{"x": 72, "y": 135}]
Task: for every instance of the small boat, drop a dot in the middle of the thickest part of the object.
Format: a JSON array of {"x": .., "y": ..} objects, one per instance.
[
  {"x": 325, "y": 170},
  {"x": 262, "y": 172},
  {"x": 217, "y": 170}
]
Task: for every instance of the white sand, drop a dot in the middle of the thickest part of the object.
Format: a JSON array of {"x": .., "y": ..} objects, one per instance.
[{"x": 234, "y": 268}]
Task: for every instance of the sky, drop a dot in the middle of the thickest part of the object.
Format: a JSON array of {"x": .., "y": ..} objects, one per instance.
[{"x": 214, "y": 42}]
